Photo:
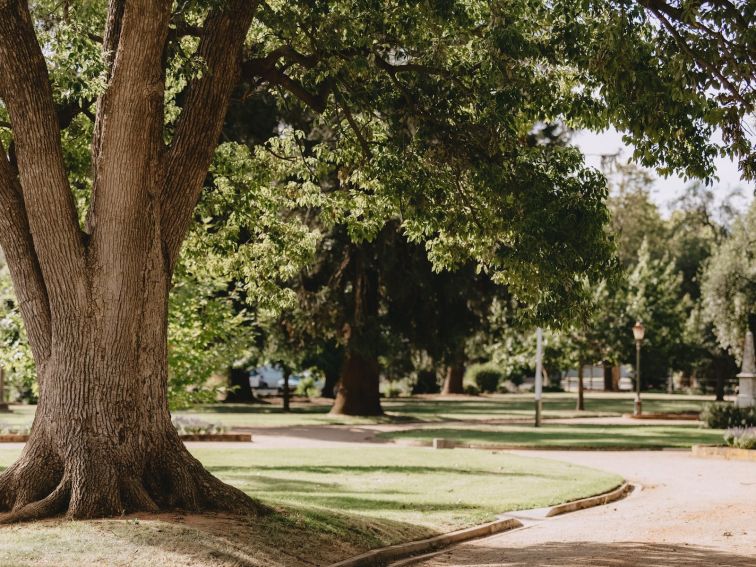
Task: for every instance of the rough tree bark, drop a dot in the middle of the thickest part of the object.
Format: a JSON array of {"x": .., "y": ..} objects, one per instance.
[
  {"x": 453, "y": 383},
  {"x": 94, "y": 303}
]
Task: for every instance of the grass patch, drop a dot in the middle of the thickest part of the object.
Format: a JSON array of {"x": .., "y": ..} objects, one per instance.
[
  {"x": 426, "y": 409},
  {"x": 578, "y": 435},
  {"x": 330, "y": 504}
]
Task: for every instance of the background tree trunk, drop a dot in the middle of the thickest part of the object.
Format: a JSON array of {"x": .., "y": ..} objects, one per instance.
[
  {"x": 608, "y": 378},
  {"x": 286, "y": 391},
  {"x": 331, "y": 384},
  {"x": 358, "y": 392},
  {"x": 580, "y": 400},
  {"x": 453, "y": 383},
  {"x": 238, "y": 379}
]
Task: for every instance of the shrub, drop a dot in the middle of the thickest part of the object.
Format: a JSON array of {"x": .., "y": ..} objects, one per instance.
[
  {"x": 471, "y": 390},
  {"x": 194, "y": 426},
  {"x": 725, "y": 416},
  {"x": 485, "y": 376},
  {"x": 8, "y": 429},
  {"x": 507, "y": 387},
  {"x": 307, "y": 387},
  {"x": 393, "y": 391},
  {"x": 741, "y": 437}
]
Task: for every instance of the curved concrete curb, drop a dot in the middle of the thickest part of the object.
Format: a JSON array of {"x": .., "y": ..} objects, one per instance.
[
  {"x": 383, "y": 555},
  {"x": 735, "y": 453},
  {"x": 591, "y": 501}
]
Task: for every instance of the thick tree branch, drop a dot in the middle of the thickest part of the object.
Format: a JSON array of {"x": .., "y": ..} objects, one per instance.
[
  {"x": 199, "y": 126},
  {"x": 51, "y": 212},
  {"x": 16, "y": 242},
  {"x": 126, "y": 159},
  {"x": 315, "y": 100}
]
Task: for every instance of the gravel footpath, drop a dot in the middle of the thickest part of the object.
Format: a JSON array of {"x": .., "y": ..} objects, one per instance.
[{"x": 691, "y": 512}]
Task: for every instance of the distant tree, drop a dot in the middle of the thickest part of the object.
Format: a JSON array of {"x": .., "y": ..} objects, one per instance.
[
  {"x": 654, "y": 299},
  {"x": 729, "y": 284},
  {"x": 635, "y": 217}
]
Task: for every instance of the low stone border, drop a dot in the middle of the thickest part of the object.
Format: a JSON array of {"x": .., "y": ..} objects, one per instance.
[
  {"x": 441, "y": 443},
  {"x": 236, "y": 437},
  {"x": 421, "y": 548},
  {"x": 691, "y": 416},
  {"x": 14, "y": 438},
  {"x": 385, "y": 554},
  {"x": 591, "y": 501},
  {"x": 735, "y": 453}
]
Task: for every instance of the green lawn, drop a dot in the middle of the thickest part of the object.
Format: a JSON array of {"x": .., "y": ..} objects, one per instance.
[
  {"x": 330, "y": 504},
  {"x": 578, "y": 435},
  {"x": 423, "y": 409}
]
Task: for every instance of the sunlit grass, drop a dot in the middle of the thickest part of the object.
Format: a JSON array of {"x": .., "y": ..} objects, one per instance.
[{"x": 331, "y": 503}]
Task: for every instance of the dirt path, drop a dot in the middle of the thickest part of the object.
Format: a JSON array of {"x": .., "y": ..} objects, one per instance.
[{"x": 690, "y": 512}]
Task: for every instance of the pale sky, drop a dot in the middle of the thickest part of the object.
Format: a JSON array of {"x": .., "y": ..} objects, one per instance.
[{"x": 665, "y": 189}]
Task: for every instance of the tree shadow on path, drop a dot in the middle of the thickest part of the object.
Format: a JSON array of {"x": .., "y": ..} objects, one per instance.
[{"x": 583, "y": 554}]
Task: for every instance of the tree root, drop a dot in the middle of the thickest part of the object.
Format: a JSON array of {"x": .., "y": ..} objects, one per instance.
[
  {"x": 51, "y": 505},
  {"x": 35, "y": 488}
]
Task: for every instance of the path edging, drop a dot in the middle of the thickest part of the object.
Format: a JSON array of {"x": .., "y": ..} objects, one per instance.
[
  {"x": 735, "y": 453},
  {"x": 382, "y": 555},
  {"x": 599, "y": 500},
  {"x": 442, "y": 443}
]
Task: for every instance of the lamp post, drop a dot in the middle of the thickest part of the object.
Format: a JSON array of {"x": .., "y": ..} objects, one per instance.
[
  {"x": 638, "y": 332},
  {"x": 538, "y": 376}
]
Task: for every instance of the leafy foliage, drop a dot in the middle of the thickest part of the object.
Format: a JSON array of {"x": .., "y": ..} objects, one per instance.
[
  {"x": 729, "y": 284},
  {"x": 724, "y": 416},
  {"x": 486, "y": 377}
]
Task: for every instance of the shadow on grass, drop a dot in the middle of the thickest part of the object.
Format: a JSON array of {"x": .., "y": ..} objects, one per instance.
[
  {"x": 292, "y": 536},
  {"x": 581, "y": 554},
  {"x": 404, "y": 470}
]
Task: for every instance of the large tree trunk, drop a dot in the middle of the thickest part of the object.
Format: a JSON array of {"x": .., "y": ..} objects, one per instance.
[
  {"x": 94, "y": 303},
  {"x": 102, "y": 442},
  {"x": 358, "y": 392},
  {"x": 453, "y": 383}
]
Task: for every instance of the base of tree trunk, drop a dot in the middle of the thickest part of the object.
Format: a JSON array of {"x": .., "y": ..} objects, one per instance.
[
  {"x": 454, "y": 381},
  {"x": 241, "y": 392},
  {"x": 358, "y": 391},
  {"x": 106, "y": 480}
]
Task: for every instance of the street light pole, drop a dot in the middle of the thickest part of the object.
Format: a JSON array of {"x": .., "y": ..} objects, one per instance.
[
  {"x": 538, "y": 376},
  {"x": 638, "y": 333}
]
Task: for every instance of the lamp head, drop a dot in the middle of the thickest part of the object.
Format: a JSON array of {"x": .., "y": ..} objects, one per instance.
[{"x": 638, "y": 331}]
